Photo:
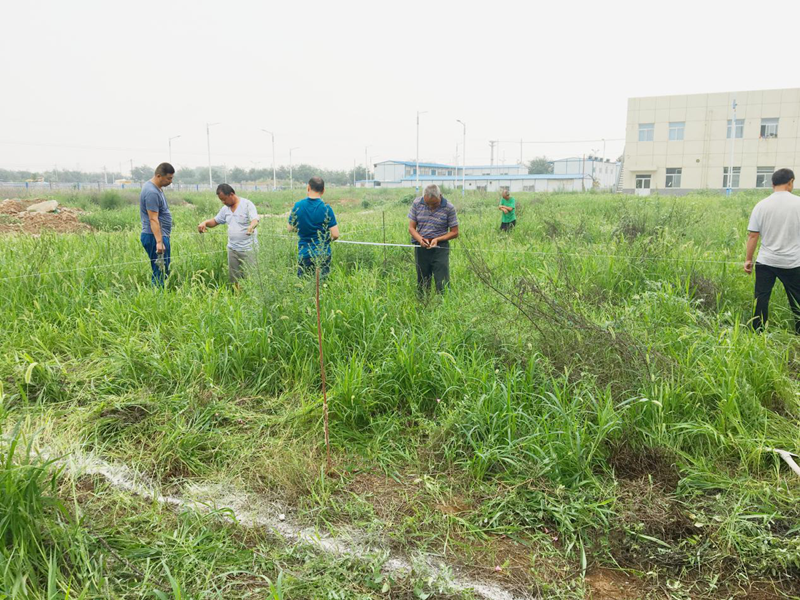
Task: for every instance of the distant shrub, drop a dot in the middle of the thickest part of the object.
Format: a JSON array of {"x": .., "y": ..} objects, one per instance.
[{"x": 111, "y": 200}]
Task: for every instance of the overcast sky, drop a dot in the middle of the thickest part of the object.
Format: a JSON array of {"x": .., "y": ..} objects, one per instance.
[{"x": 90, "y": 84}]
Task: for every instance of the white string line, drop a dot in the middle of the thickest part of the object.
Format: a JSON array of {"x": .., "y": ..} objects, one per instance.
[
  {"x": 391, "y": 245},
  {"x": 542, "y": 253}
]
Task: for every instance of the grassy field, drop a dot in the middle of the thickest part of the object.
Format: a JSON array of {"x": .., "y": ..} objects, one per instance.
[{"x": 584, "y": 414}]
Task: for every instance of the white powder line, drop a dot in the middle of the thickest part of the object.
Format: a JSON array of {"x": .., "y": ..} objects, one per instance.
[{"x": 248, "y": 512}]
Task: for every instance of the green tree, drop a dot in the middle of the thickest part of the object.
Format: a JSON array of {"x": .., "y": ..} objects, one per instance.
[
  {"x": 142, "y": 173},
  {"x": 540, "y": 166},
  {"x": 237, "y": 175}
]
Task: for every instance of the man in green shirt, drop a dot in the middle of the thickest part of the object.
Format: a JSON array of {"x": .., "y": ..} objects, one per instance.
[{"x": 508, "y": 206}]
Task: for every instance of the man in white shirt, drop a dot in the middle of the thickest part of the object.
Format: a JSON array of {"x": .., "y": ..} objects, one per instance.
[
  {"x": 776, "y": 220},
  {"x": 241, "y": 217}
]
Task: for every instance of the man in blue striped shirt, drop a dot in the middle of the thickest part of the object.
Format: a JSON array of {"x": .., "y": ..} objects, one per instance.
[{"x": 432, "y": 224}]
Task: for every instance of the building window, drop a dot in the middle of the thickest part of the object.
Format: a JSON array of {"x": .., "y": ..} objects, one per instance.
[
  {"x": 433, "y": 171},
  {"x": 414, "y": 171},
  {"x": 643, "y": 182},
  {"x": 769, "y": 128},
  {"x": 676, "y": 131},
  {"x": 674, "y": 178},
  {"x": 737, "y": 171},
  {"x": 646, "y": 132},
  {"x": 739, "y": 128},
  {"x": 764, "y": 177}
]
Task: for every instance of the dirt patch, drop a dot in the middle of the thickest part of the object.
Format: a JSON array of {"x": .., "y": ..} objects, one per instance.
[
  {"x": 608, "y": 584},
  {"x": 704, "y": 290},
  {"x": 12, "y": 206},
  {"x": 767, "y": 590},
  {"x": 646, "y": 508},
  {"x": 390, "y": 499},
  {"x": 18, "y": 220},
  {"x": 500, "y": 559},
  {"x": 658, "y": 464}
]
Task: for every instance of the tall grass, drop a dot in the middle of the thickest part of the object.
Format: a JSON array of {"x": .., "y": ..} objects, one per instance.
[{"x": 635, "y": 344}]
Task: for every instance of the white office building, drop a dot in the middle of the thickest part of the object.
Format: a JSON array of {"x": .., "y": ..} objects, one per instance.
[{"x": 676, "y": 144}]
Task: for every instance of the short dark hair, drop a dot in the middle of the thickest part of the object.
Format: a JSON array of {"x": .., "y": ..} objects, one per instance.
[
  {"x": 782, "y": 176},
  {"x": 316, "y": 184},
  {"x": 225, "y": 189},
  {"x": 164, "y": 169}
]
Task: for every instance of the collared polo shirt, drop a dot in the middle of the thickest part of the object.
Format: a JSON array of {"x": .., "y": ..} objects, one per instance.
[{"x": 433, "y": 223}]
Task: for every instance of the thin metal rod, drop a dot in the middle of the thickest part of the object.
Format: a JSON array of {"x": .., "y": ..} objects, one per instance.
[{"x": 729, "y": 187}]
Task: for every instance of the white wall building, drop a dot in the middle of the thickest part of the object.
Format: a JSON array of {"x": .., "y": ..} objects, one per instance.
[
  {"x": 487, "y": 178},
  {"x": 599, "y": 174},
  {"x": 675, "y": 144}
]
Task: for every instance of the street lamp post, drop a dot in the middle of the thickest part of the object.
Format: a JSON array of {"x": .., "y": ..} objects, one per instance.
[
  {"x": 291, "y": 173},
  {"x": 208, "y": 141},
  {"x": 464, "y": 159},
  {"x": 175, "y": 137},
  {"x": 274, "y": 179},
  {"x": 419, "y": 112}
]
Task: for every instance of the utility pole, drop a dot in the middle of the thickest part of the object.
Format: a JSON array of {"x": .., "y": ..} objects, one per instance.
[
  {"x": 105, "y": 175},
  {"x": 131, "y": 168},
  {"x": 491, "y": 145},
  {"x": 419, "y": 112},
  {"x": 464, "y": 159},
  {"x": 583, "y": 172},
  {"x": 729, "y": 189},
  {"x": 274, "y": 178},
  {"x": 208, "y": 141},
  {"x": 170, "y": 147},
  {"x": 291, "y": 172},
  {"x": 366, "y": 165},
  {"x": 520, "y": 152},
  {"x": 354, "y": 172}
]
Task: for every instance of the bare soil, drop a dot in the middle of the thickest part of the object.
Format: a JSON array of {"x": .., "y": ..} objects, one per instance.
[
  {"x": 609, "y": 584},
  {"x": 14, "y": 219}
]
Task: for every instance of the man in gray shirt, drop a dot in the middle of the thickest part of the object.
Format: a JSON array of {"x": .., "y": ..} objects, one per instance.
[
  {"x": 776, "y": 220},
  {"x": 157, "y": 222},
  {"x": 241, "y": 217}
]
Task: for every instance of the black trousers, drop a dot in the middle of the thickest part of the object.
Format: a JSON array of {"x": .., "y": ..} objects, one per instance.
[
  {"x": 433, "y": 263},
  {"x": 508, "y": 226},
  {"x": 765, "y": 281}
]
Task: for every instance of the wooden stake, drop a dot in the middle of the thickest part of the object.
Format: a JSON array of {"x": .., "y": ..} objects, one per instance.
[{"x": 322, "y": 372}]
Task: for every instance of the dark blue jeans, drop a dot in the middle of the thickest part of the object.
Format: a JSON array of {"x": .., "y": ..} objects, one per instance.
[
  {"x": 149, "y": 243},
  {"x": 307, "y": 266}
]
